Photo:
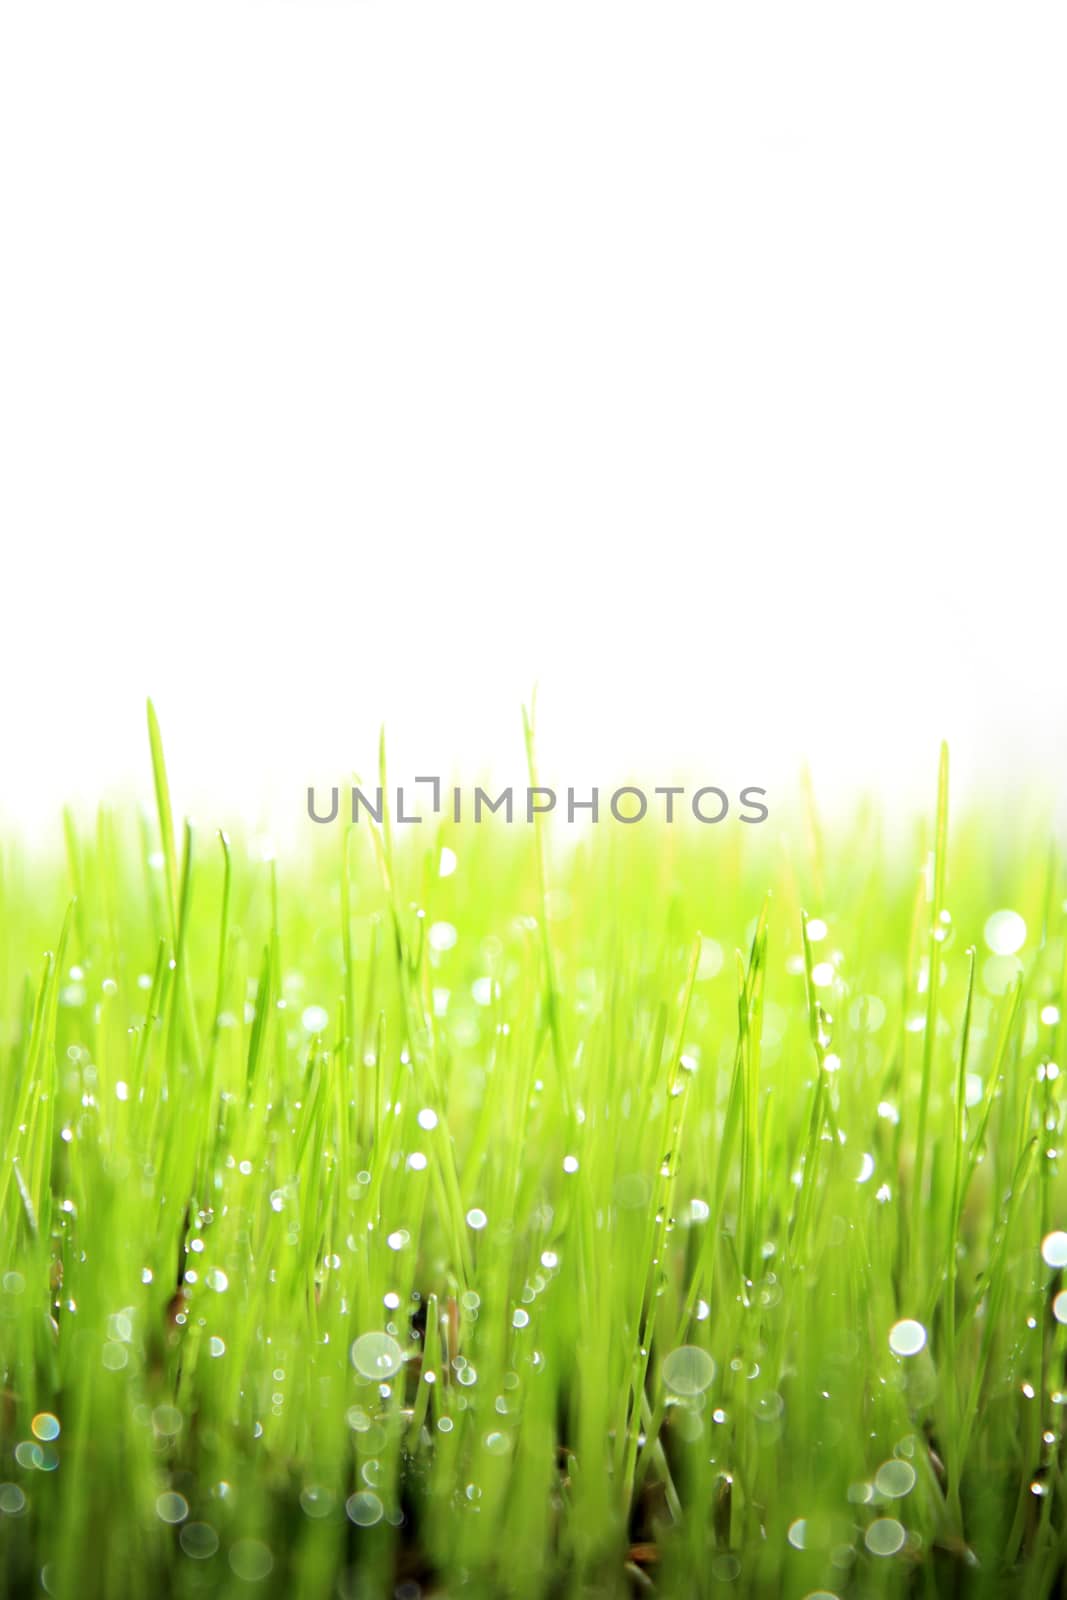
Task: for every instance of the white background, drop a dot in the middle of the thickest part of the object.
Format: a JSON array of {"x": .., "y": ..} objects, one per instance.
[{"x": 705, "y": 363}]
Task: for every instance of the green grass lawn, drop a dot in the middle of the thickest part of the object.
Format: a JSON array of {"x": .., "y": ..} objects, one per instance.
[{"x": 462, "y": 1210}]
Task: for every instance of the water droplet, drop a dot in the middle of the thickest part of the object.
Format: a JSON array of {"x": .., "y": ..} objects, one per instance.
[
  {"x": 769, "y": 1407},
  {"x": 442, "y": 936},
  {"x": 1005, "y": 932},
  {"x": 895, "y": 1478},
  {"x": 364, "y": 1508},
  {"x": 314, "y": 1019},
  {"x": 689, "y": 1370},
  {"x": 1054, "y": 1249},
  {"x": 884, "y": 1537},
  {"x": 199, "y": 1540},
  {"x": 476, "y": 1219},
  {"x": 797, "y": 1533},
  {"x": 376, "y": 1355},
  {"x": 251, "y": 1560},
  {"x": 12, "y": 1500},
  {"x": 171, "y": 1507},
  {"x": 907, "y": 1338},
  {"x": 711, "y": 959},
  {"x": 167, "y": 1420},
  {"x": 316, "y": 1501},
  {"x": 45, "y": 1425}
]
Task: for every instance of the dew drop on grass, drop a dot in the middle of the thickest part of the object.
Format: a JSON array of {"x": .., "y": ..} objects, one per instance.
[
  {"x": 427, "y": 1119},
  {"x": 885, "y": 1537},
  {"x": 199, "y": 1540},
  {"x": 12, "y": 1500},
  {"x": 447, "y": 864},
  {"x": 1005, "y": 933},
  {"x": 867, "y": 1013},
  {"x": 866, "y": 1168},
  {"x": 171, "y": 1507},
  {"x": 768, "y": 1407},
  {"x": 376, "y": 1356},
  {"x": 364, "y": 1508},
  {"x": 797, "y": 1533},
  {"x": 476, "y": 1219},
  {"x": 315, "y": 1501},
  {"x": 315, "y": 1019},
  {"x": 251, "y": 1560},
  {"x": 907, "y": 1338},
  {"x": 894, "y": 1479},
  {"x": 1054, "y": 1249},
  {"x": 1059, "y": 1306},
  {"x": 45, "y": 1426},
  {"x": 689, "y": 1370},
  {"x": 216, "y": 1279},
  {"x": 442, "y": 936},
  {"x": 167, "y": 1420}
]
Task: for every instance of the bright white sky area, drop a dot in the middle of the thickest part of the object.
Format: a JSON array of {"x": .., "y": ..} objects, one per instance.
[{"x": 703, "y": 363}]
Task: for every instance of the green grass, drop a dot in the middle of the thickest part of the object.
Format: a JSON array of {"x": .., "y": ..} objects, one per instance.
[{"x": 562, "y": 1261}]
